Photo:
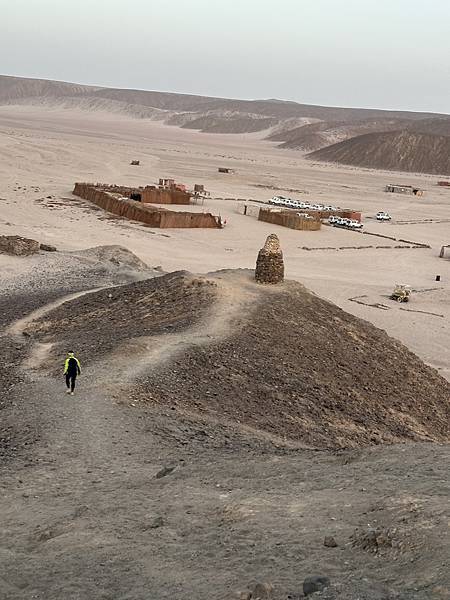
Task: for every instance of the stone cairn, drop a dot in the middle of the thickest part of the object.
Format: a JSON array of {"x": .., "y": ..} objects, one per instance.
[{"x": 270, "y": 265}]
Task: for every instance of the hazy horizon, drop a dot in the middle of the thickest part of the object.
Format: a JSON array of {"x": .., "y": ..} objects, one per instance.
[{"x": 367, "y": 55}]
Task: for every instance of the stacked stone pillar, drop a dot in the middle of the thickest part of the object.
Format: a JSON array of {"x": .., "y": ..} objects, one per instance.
[{"x": 270, "y": 265}]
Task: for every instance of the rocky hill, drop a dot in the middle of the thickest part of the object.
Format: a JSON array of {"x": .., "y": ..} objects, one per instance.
[
  {"x": 285, "y": 364},
  {"x": 396, "y": 151},
  {"x": 320, "y": 135}
]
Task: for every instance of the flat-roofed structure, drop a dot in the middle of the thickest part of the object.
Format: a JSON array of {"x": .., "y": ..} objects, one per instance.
[{"x": 403, "y": 189}]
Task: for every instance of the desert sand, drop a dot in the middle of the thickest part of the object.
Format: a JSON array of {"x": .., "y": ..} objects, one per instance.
[
  {"x": 222, "y": 433},
  {"x": 45, "y": 150}
]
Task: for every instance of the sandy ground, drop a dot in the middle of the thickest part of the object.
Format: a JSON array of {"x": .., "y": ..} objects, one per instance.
[
  {"x": 44, "y": 151},
  {"x": 102, "y": 498}
]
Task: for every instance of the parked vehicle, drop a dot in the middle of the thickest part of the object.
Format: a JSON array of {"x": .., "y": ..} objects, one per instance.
[
  {"x": 333, "y": 219},
  {"x": 383, "y": 216},
  {"x": 354, "y": 224},
  {"x": 401, "y": 293}
]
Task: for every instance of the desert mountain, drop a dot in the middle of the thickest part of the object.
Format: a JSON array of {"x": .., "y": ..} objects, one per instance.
[
  {"x": 325, "y": 133},
  {"x": 307, "y": 128},
  {"x": 398, "y": 151},
  {"x": 197, "y": 112}
]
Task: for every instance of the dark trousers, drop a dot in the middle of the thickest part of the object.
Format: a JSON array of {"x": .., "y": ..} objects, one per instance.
[{"x": 70, "y": 381}]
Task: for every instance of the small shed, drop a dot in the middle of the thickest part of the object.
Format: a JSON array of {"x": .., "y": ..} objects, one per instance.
[
  {"x": 403, "y": 189},
  {"x": 225, "y": 170},
  {"x": 166, "y": 183}
]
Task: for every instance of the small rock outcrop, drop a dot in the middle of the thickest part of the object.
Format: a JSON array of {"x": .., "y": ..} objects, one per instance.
[
  {"x": 270, "y": 264},
  {"x": 330, "y": 542},
  {"x": 18, "y": 246},
  {"x": 314, "y": 584},
  {"x": 262, "y": 591},
  {"x": 47, "y": 247}
]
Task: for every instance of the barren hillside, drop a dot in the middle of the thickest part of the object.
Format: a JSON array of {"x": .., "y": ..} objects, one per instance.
[
  {"x": 397, "y": 151},
  {"x": 179, "y": 469},
  {"x": 289, "y": 364},
  {"x": 319, "y": 135},
  {"x": 204, "y": 113}
]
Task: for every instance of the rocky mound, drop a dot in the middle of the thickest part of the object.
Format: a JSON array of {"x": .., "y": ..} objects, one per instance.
[
  {"x": 396, "y": 151},
  {"x": 302, "y": 369},
  {"x": 118, "y": 256},
  {"x": 97, "y": 323},
  {"x": 289, "y": 364}
]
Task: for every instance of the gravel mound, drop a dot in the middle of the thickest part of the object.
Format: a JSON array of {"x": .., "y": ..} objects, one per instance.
[
  {"x": 290, "y": 365},
  {"x": 96, "y": 324},
  {"x": 302, "y": 369}
]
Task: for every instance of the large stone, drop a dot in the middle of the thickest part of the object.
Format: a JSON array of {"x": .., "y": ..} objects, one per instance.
[
  {"x": 270, "y": 265},
  {"x": 18, "y": 246},
  {"x": 317, "y": 583},
  {"x": 47, "y": 248},
  {"x": 330, "y": 542},
  {"x": 262, "y": 591}
]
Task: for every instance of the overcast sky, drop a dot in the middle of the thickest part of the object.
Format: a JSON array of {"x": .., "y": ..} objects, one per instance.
[{"x": 368, "y": 53}]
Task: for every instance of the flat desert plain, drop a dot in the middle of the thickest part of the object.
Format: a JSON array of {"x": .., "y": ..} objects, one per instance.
[{"x": 45, "y": 150}]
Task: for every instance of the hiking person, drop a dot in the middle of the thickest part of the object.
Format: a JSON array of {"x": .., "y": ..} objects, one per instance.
[{"x": 71, "y": 370}]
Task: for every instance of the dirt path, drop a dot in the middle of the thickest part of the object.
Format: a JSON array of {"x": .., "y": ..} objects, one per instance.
[
  {"x": 40, "y": 351},
  {"x": 121, "y": 502},
  {"x": 142, "y": 354}
]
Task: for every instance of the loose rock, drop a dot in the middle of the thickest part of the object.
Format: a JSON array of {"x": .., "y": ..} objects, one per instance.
[
  {"x": 18, "y": 246},
  {"x": 330, "y": 542},
  {"x": 316, "y": 583},
  {"x": 164, "y": 472},
  {"x": 154, "y": 523},
  {"x": 47, "y": 248},
  {"x": 262, "y": 591}
]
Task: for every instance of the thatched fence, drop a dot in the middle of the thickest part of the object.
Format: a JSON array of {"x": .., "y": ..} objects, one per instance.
[
  {"x": 288, "y": 219},
  {"x": 152, "y": 216}
]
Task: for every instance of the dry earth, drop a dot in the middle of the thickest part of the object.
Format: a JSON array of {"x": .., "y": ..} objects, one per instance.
[
  {"x": 106, "y": 496},
  {"x": 399, "y": 150}
]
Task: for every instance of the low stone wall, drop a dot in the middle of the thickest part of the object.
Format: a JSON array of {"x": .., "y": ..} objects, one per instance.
[
  {"x": 143, "y": 212},
  {"x": 288, "y": 219}
]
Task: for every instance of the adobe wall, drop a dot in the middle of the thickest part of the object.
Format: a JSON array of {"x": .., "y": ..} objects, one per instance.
[
  {"x": 291, "y": 220},
  {"x": 138, "y": 211},
  {"x": 164, "y": 196}
]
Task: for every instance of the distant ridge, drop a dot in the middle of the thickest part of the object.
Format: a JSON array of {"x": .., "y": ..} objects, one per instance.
[
  {"x": 307, "y": 128},
  {"x": 397, "y": 151}
]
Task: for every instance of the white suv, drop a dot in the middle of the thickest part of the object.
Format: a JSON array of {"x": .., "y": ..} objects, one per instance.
[
  {"x": 354, "y": 224},
  {"x": 383, "y": 216}
]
